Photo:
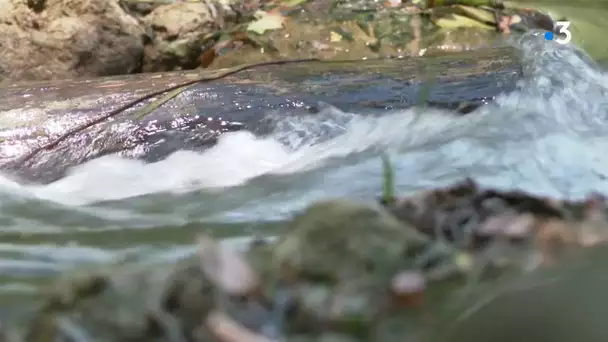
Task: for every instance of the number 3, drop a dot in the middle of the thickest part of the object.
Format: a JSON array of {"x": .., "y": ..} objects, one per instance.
[{"x": 563, "y": 25}]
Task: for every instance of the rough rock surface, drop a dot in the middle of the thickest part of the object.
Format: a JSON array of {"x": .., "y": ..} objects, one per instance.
[
  {"x": 67, "y": 38},
  {"x": 58, "y": 39},
  {"x": 178, "y": 30}
]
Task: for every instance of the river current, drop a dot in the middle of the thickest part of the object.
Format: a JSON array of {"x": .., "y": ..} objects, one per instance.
[{"x": 548, "y": 137}]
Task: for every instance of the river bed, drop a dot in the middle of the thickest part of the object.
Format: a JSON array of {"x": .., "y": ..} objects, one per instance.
[{"x": 547, "y": 137}]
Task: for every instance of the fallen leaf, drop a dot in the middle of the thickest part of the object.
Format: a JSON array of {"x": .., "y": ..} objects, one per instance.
[
  {"x": 505, "y": 25},
  {"x": 319, "y": 46},
  {"x": 392, "y": 3},
  {"x": 292, "y": 3},
  {"x": 457, "y": 21},
  {"x": 509, "y": 224},
  {"x": 226, "y": 268},
  {"x": 207, "y": 57},
  {"x": 480, "y": 14},
  {"x": 408, "y": 288},
  {"x": 228, "y": 330},
  {"x": 334, "y": 37},
  {"x": 266, "y": 21}
]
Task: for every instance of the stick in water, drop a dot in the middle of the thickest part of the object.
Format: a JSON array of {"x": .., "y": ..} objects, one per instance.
[{"x": 119, "y": 110}]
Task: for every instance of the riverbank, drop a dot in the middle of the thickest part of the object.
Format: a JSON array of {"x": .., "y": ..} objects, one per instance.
[
  {"x": 58, "y": 39},
  {"x": 428, "y": 267}
]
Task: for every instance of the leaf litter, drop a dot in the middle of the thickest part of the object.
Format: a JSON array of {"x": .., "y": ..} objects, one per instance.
[{"x": 345, "y": 269}]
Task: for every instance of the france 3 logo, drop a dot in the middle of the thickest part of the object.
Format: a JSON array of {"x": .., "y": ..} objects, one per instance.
[{"x": 564, "y": 35}]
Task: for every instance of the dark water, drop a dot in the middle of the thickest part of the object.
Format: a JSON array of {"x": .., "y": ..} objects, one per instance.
[{"x": 547, "y": 137}]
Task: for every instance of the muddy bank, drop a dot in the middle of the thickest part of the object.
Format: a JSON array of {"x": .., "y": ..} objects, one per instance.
[
  {"x": 58, "y": 39},
  {"x": 455, "y": 264},
  {"x": 35, "y": 114}
]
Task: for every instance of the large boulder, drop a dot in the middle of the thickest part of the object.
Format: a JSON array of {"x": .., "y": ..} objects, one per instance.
[{"x": 67, "y": 38}]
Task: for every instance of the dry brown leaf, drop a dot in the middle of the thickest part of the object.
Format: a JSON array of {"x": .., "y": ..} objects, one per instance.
[
  {"x": 408, "y": 288},
  {"x": 227, "y": 268},
  {"x": 207, "y": 57},
  {"x": 392, "y": 3},
  {"x": 510, "y": 225},
  {"x": 228, "y": 330},
  {"x": 553, "y": 234}
]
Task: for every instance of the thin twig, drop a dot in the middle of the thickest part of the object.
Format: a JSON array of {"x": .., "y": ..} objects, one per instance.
[{"x": 121, "y": 109}]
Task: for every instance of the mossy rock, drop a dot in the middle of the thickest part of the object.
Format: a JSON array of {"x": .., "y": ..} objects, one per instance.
[
  {"x": 141, "y": 302},
  {"x": 347, "y": 237}
]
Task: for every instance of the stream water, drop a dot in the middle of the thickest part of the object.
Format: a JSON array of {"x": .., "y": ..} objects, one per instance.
[{"x": 548, "y": 137}]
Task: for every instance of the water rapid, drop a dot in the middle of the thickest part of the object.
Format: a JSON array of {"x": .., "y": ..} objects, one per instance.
[{"x": 548, "y": 137}]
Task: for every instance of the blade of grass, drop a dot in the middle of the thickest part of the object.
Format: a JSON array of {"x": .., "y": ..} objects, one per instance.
[
  {"x": 152, "y": 106},
  {"x": 388, "y": 180}
]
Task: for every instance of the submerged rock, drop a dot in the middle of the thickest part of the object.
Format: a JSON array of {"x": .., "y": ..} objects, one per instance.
[{"x": 35, "y": 115}]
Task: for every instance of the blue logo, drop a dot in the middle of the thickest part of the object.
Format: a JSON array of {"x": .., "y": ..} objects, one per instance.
[{"x": 565, "y": 35}]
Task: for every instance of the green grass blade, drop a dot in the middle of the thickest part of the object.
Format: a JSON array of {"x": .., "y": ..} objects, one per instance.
[
  {"x": 142, "y": 112},
  {"x": 388, "y": 180}
]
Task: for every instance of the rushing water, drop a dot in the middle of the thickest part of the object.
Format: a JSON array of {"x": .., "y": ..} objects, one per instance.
[{"x": 548, "y": 137}]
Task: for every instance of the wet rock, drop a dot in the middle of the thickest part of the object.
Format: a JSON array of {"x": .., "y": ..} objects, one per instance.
[
  {"x": 339, "y": 259},
  {"x": 121, "y": 304},
  {"x": 140, "y": 302},
  {"x": 344, "y": 237},
  {"x": 256, "y": 100}
]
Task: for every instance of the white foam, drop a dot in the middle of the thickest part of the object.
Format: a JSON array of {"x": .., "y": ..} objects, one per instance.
[{"x": 236, "y": 158}]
